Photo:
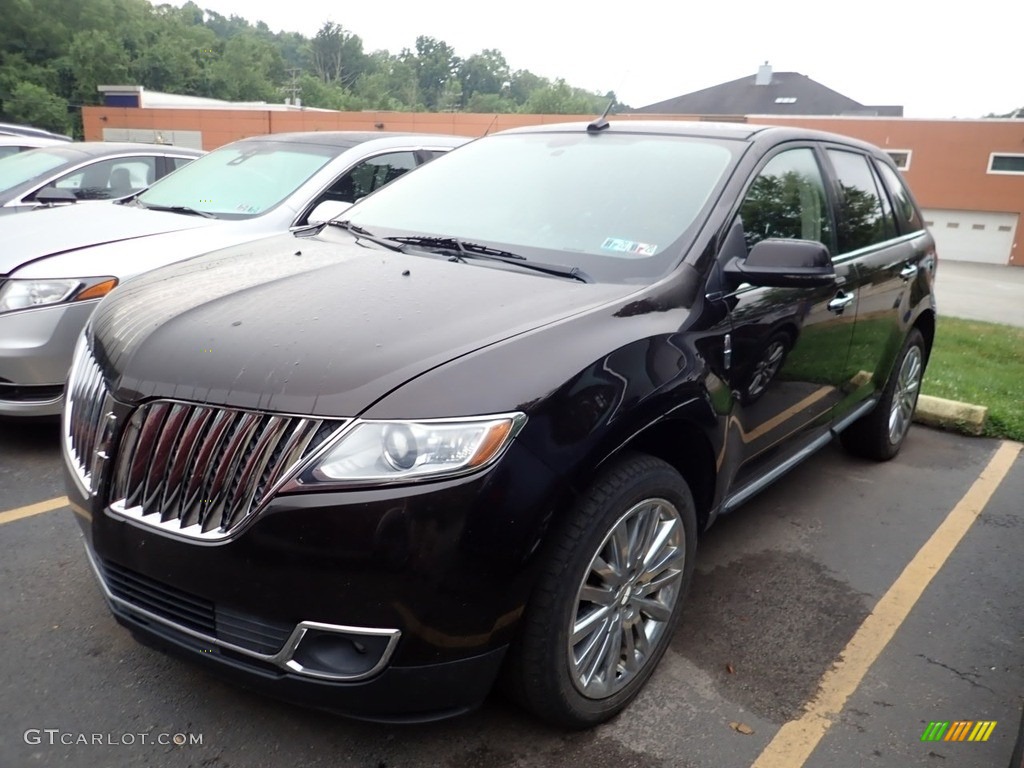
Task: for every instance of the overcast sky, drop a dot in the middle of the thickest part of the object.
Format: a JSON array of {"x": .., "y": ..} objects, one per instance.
[{"x": 936, "y": 59}]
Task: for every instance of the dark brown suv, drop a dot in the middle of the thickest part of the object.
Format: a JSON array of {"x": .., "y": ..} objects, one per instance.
[{"x": 477, "y": 427}]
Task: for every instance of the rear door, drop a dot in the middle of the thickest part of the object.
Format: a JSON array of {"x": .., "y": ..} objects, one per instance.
[{"x": 880, "y": 232}]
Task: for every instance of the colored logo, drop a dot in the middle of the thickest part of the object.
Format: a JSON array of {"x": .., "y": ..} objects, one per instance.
[{"x": 958, "y": 730}]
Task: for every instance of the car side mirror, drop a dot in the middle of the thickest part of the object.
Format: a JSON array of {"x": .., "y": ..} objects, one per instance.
[
  {"x": 782, "y": 263},
  {"x": 327, "y": 210},
  {"x": 55, "y": 195}
]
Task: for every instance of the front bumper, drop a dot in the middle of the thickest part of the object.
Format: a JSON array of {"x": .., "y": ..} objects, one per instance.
[
  {"x": 446, "y": 566},
  {"x": 36, "y": 346}
]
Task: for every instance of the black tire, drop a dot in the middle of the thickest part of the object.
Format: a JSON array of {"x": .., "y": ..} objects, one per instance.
[
  {"x": 874, "y": 436},
  {"x": 652, "y": 494}
]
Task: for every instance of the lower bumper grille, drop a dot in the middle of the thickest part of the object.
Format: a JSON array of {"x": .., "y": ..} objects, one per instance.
[{"x": 195, "y": 613}]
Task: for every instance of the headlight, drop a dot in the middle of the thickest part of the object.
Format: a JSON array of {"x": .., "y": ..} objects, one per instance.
[
  {"x": 393, "y": 451},
  {"x": 23, "y": 294}
]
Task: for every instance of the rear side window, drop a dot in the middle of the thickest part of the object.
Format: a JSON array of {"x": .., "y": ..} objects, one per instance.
[
  {"x": 906, "y": 212},
  {"x": 864, "y": 219}
]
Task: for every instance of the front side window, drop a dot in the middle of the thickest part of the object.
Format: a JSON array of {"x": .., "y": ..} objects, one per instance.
[
  {"x": 616, "y": 205},
  {"x": 240, "y": 180},
  {"x": 369, "y": 175},
  {"x": 863, "y": 220},
  {"x": 787, "y": 200},
  {"x": 109, "y": 179}
]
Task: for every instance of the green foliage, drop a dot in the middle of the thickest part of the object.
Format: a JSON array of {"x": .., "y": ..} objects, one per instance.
[
  {"x": 53, "y": 54},
  {"x": 983, "y": 364},
  {"x": 34, "y": 105}
]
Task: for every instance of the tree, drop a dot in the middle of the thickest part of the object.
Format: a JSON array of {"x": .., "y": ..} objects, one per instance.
[
  {"x": 436, "y": 64},
  {"x": 484, "y": 73},
  {"x": 34, "y": 105},
  {"x": 337, "y": 55}
]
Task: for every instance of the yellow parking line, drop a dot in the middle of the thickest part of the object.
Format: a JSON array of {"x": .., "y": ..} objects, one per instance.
[
  {"x": 796, "y": 740},
  {"x": 32, "y": 509}
]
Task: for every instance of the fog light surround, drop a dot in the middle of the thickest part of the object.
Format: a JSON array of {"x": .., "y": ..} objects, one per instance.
[{"x": 334, "y": 652}]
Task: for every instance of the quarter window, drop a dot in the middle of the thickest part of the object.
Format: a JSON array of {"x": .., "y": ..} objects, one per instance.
[
  {"x": 863, "y": 220},
  {"x": 787, "y": 200},
  {"x": 906, "y": 211}
]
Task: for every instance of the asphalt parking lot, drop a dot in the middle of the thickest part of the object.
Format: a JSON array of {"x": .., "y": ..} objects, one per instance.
[{"x": 831, "y": 620}]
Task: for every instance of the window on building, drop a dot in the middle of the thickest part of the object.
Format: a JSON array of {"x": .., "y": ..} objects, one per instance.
[
  {"x": 952, "y": 225},
  {"x": 1005, "y": 163},
  {"x": 785, "y": 100},
  {"x": 901, "y": 157}
]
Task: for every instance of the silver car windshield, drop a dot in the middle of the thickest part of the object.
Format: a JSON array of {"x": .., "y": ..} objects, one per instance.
[
  {"x": 240, "y": 180},
  {"x": 25, "y": 166},
  {"x": 616, "y": 205}
]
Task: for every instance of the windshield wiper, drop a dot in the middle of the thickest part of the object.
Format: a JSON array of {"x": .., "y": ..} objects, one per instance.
[
  {"x": 362, "y": 234},
  {"x": 459, "y": 250},
  {"x": 178, "y": 209}
]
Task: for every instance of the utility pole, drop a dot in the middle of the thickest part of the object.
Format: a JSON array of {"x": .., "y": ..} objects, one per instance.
[{"x": 293, "y": 88}]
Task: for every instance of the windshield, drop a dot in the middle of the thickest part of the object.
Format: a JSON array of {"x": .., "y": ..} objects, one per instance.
[
  {"x": 240, "y": 180},
  {"x": 26, "y": 166},
  {"x": 616, "y": 205}
]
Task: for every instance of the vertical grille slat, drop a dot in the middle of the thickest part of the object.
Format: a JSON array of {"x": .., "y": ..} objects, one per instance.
[
  {"x": 86, "y": 396},
  {"x": 201, "y": 472}
]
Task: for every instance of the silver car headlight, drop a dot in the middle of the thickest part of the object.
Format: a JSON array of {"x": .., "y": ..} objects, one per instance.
[
  {"x": 24, "y": 294},
  {"x": 398, "y": 451}
]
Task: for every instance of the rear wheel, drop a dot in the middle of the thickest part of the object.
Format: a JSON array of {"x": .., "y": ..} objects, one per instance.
[
  {"x": 880, "y": 434},
  {"x": 610, "y": 596}
]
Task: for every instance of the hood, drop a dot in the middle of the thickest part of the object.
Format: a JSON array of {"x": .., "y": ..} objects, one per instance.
[
  {"x": 55, "y": 230},
  {"x": 126, "y": 258},
  {"x": 319, "y": 326}
]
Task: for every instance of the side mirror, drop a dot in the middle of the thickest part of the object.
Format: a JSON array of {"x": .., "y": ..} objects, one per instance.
[
  {"x": 780, "y": 263},
  {"x": 54, "y": 195},
  {"x": 327, "y": 210}
]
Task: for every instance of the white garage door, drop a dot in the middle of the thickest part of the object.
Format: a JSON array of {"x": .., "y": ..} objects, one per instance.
[{"x": 972, "y": 235}]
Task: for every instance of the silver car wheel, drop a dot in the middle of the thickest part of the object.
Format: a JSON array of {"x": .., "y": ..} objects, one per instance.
[
  {"x": 908, "y": 386},
  {"x": 626, "y": 598}
]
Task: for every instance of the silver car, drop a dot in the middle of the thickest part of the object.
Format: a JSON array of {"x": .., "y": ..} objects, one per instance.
[
  {"x": 64, "y": 173},
  {"x": 56, "y": 264}
]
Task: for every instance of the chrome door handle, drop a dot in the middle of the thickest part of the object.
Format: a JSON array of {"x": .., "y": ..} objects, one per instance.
[
  {"x": 908, "y": 271},
  {"x": 840, "y": 302}
]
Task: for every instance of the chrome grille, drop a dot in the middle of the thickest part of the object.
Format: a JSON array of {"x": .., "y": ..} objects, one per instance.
[
  {"x": 201, "y": 471},
  {"x": 85, "y": 412}
]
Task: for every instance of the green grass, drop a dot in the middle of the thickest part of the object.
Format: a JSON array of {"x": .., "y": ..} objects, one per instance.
[{"x": 980, "y": 363}]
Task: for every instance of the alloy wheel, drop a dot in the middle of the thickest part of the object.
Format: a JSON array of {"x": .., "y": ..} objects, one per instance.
[{"x": 626, "y": 598}]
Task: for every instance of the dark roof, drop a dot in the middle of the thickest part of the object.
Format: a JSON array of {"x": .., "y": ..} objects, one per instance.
[
  {"x": 701, "y": 129},
  {"x": 786, "y": 93},
  {"x": 672, "y": 127}
]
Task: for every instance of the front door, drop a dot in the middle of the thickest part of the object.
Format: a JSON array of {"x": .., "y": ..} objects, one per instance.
[{"x": 788, "y": 345}]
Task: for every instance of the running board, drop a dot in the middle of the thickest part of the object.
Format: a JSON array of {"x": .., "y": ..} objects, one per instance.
[{"x": 751, "y": 489}]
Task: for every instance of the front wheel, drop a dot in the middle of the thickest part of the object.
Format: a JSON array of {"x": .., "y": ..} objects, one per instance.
[
  {"x": 880, "y": 434},
  {"x": 609, "y": 597}
]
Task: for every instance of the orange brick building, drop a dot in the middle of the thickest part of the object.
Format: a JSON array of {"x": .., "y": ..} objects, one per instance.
[{"x": 968, "y": 175}]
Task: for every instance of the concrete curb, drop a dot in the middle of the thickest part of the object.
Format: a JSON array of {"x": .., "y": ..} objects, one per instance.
[{"x": 952, "y": 415}]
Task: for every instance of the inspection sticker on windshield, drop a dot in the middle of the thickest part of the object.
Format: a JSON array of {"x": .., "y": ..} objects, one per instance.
[{"x": 628, "y": 246}]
